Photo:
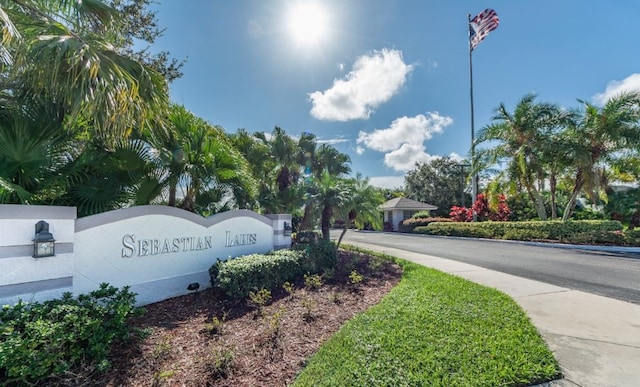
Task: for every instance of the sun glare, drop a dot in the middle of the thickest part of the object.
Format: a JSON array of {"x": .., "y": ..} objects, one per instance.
[{"x": 307, "y": 22}]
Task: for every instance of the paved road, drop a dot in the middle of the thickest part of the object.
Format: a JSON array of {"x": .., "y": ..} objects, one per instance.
[{"x": 608, "y": 274}]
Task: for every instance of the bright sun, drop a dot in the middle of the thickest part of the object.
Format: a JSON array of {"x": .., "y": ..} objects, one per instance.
[{"x": 307, "y": 22}]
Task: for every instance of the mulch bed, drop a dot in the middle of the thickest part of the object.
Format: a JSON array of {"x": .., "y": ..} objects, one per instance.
[{"x": 248, "y": 346}]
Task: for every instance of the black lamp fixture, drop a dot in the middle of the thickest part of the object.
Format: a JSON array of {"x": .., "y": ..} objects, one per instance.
[
  {"x": 193, "y": 287},
  {"x": 43, "y": 243},
  {"x": 287, "y": 229}
]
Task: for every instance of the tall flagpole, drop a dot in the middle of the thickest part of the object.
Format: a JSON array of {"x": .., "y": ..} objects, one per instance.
[{"x": 474, "y": 177}]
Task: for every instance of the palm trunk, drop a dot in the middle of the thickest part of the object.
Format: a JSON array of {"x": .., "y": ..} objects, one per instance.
[
  {"x": 537, "y": 199},
  {"x": 305, "y": 223},
  {"x": 172, "y": 195},
  {"x": 571, "y": 205},
  {"x": 326, "y": 223},
  {"x": 552, "y": 189},
  {"x": 635, "y": 220},
  {"x": 342, "y": 234}
]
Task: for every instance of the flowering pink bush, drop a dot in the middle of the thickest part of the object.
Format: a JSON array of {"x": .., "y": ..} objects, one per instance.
[
  {"x": 461, "y": 214},
  {"x": 482, "y": 210}
]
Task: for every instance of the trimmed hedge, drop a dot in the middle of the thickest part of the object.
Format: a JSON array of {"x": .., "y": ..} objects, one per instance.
[
  {"x": 581, "y": 231},
  {"x": 408, "y": 225},
  {"x": 239, "y": 276}
]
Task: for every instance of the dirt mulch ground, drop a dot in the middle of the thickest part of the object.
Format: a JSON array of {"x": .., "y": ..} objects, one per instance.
[{"x": 186, "y": 347}]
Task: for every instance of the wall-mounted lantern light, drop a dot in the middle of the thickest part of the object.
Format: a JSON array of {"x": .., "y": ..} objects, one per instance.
[
  {"x": 43, "y": 243},
  {"x": 287, "y": 229}
]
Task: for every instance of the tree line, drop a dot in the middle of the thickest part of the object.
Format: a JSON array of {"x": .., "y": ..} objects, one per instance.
[
  {"x": 543, "y": 157},
  {"x": 86, "y": 121}
]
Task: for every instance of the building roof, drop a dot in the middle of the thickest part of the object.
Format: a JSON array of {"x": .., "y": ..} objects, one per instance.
[{"x": 407, "y": 204}]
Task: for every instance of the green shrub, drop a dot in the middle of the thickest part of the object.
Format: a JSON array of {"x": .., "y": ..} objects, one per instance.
[
  {"x": 43, "y": 340},
  {"x": 319, "y": 257},
  {"x": 305, "y": 237},
  {"x": 312, "y": 281},
  {"x": 583, "y": 231},
  {"x": 632, "y": 237},
  {"x": 524, "y": 235},
  {"x": 408, "y": 225},
  {"x": 421, "y": 214},
  {"x": 238, "y": 277},
  {"x": 615, "y": 238}
]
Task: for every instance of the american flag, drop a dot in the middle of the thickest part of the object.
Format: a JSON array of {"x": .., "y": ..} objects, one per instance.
[{"x": 480, "y": 26}]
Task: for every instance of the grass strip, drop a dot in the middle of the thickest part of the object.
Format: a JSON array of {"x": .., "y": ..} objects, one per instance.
[{"x": 434, "y": 329}]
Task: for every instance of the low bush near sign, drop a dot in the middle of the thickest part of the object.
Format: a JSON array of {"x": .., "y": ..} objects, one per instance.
[
  {"x": 319, "y": 257},
  {"x": 240, "y": 276},
  {"x": 40, "y": 341}
]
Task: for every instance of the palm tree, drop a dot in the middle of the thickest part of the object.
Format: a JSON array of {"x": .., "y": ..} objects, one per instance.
[
  {"x": 69, "y": 102},
  {"x": 520, "y": 137},
  {"x": 201, "y": 160},
  {"x": 362, "y": 205},
  {"x": 329, "y": 159},
  {"x": 34, "y": 149},
  {"x": 280, "y": 172},
  {"x": 597, "y": 137},
  {"x": 57, "y": 49},
  {"x": 331, "y": 194},
  {"x": 214, "y": 169},
  {"x": 107, "y": 178},
  {"x": 318, "y": 161}
]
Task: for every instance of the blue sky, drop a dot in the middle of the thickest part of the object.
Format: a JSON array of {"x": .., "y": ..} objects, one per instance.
[{"x": 387, "y": 82}]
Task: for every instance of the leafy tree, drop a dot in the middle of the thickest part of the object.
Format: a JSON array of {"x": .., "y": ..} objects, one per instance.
[
  {"x": 104, "y": 179},
  {"x": 317, "y": 161},
  {"x": 60, "y": 51},
  {"x": 520, "y": 138},
  {"x": 596, "y": 138},
  {"x": 331, "y": 194},
  {"x": 522, "y": 208},
  {"x": 280, "y": 189},
  {"x": 438, "y": 182},
  {"x": 138, "y": 24},
  {"x": 198, "y": 158},
  {"x": 34, "y": 150},
  {"x": 362, "y": 206}
]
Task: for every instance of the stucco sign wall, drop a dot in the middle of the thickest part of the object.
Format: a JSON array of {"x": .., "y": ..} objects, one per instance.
[{"x": 157, "y": 250}]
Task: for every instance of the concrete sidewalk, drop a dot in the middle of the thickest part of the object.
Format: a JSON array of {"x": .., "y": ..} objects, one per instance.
[{"x": 596, "y": 339}]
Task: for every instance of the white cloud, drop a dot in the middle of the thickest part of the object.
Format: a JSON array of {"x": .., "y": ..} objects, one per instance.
[
  {"x": 359, "y": 150},
  {"x": 630, "y": 83},
  {"x": 403, "y": 141},
  {"x": 332, "y": 141},
  {"x": 406, "y": 157},
  {"x": 411, "y": 130},
  {"x": 390, "y": 182},
  {"x": 456, "y": 157},
  {"x": 373, "y": 80}
]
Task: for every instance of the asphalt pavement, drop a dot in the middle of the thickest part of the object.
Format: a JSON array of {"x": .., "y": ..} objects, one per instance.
[{"x": 596, "y": 339}]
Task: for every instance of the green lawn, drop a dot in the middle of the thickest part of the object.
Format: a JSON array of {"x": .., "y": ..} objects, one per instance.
[{"x": 434, "y": 329}]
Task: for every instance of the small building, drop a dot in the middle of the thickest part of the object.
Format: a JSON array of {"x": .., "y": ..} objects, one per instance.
[{"x": 398, "y": 209}]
